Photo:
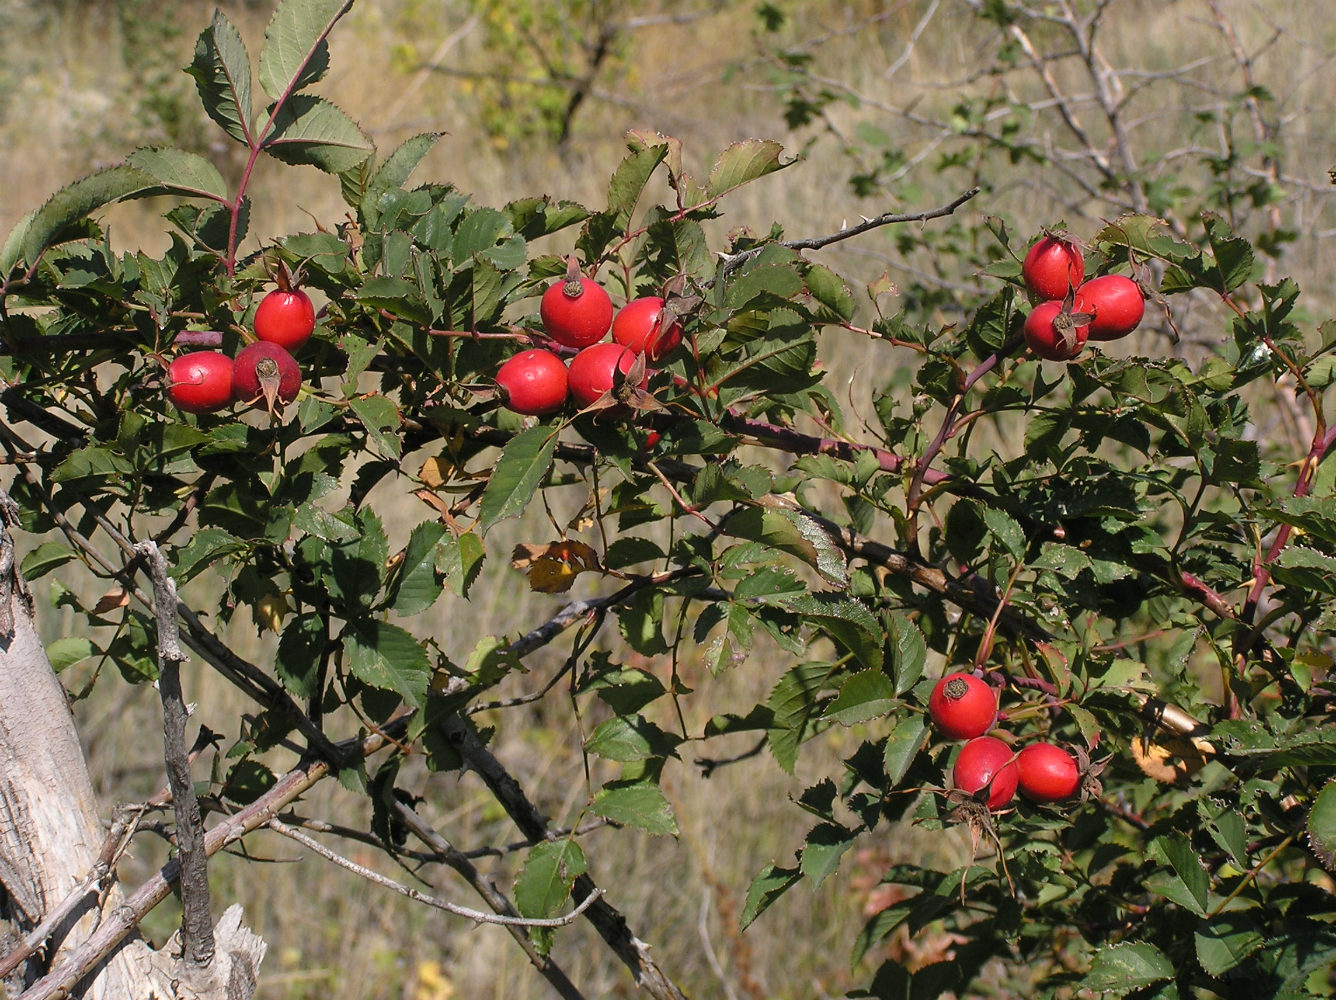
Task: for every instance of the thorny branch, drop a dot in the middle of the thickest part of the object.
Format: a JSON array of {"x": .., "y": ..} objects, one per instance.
[{"x": 731, "y": 262}]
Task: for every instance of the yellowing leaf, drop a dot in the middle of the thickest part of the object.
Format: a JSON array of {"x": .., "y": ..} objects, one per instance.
[
  {"x": 270, "y": 610},
  {"x": 436, "y": 472},
  {"x": 552, "y": 568}
]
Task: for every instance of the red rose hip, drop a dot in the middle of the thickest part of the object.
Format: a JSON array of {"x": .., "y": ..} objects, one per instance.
[
  {"x": 591, "y": 371},
  {"x": 1114, "y": 303},
  {"x": 639, "y": 326},
  {"x": 285, "y": 317},
  {"x": 576, "y": 311},
  {"x": 1047, "y": 773},
  {"x": 986, "y": 762},
  {"x": 1052, "y": 333},
  {"x": 200, "y": 382},
  {"x": 265, "y": 374},
  {"x": 962, "y": 706},
  {"x": 1052, "y": 267},
  {"x": 533, "y": 383}
]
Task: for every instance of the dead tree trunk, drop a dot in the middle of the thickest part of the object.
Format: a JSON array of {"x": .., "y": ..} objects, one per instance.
[{"x": 51, "y": 834}]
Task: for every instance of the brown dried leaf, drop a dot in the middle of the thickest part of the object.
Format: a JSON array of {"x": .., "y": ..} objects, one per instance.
[{"x": 117, "y": 597}]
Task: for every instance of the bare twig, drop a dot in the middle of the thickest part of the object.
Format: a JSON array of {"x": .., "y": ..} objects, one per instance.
[
  {"x": 196, "y": 922},
  {"x": 606, "y": 919},
  {"x": 448, "y": 854},
  {"x": 477, "y": 916}
]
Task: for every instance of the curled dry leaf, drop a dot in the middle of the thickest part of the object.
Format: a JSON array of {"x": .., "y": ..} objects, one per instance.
[
  {"x": 553, "y": 567},
  {"x": 1091, "y": 787},
  {"x": 117, "y": 597}
]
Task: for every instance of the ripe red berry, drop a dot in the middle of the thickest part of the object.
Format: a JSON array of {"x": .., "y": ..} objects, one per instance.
[
  {"x": 265, "y": 374},
  {"x": 962, "y": 706},
  {"x": 1047, "y": 773},
  {"x": 534, "y": 382},
  {"x": 639, "y": 326},
  {"x": 1052, "y": 332},
  {"x": 576, "y": 311},
  {"x": 200, "y": 382},
  {"x": 1052, "y": 267},
  {"x": 285, "y": 317},
  {"x": 986, "y": 762},
  {"x": 591, "y": 371},
  {"x": 1115, "y": 304}
]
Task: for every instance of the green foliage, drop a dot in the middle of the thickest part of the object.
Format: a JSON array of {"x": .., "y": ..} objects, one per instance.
[{"x": 1141, "y": 570}]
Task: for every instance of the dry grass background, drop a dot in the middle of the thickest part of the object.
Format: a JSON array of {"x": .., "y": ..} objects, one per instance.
[{"x": 81, "y": 83}]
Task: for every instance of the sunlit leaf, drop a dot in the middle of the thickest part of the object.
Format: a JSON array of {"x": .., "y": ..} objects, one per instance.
[{"x": 295, "y": 53}]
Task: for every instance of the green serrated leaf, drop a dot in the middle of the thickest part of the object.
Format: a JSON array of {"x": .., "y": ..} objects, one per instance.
[
  {"x": 743, "y": 162},
  {"x": 180, "y": 171},
  {"x": 629, "y": 180},
  {"x": 902, "y": 746},
  {"x": 222, "y": 73},
  {"x": 796, "y": 701},
  {"x": 791, "y": 531},
  {"x": 66, "y": 652},
  {"x": 523, "y": 466},
  {"x": 545, "y": 881},
  {"x": 822, "y": 851},
  {"x": 627, "y": 739},
  {"x": 398, "y": 295},
  {"x": 769, "y": 884},
  {"x": 829, "y": 289},
  {"x": 1234, "y": 257},
  {"x": 910, "y": 652},
  {"x": 296, "y": 53},
  {"x": 845, "y": 620},
  {"x": 641, "y": 804},
  {"x": 1188, "y": 884},
  {"x": 460, "y": 559},
  {"x": 44, "y": 559},
  {"x": 419, "y": 585},
  {"x": 79, "y": 200},
  {"x": 301, "y": 649},
  {"x": 380, "y": 417},
  {"x": 1226, "y": 941},
  {"x": 1322, "y": 826},
  {"x": 310, "y": 131},
  {"x": 1004, "y": 531},
  {"x": 868, "y": 694},
  {"x": 388, "y": 658},
  {"x": 12, "y": 250},
  {"x": 1127, "y": 967},
  {"x": 395, "y": 171},
  {"x": 206, "y": 547}
]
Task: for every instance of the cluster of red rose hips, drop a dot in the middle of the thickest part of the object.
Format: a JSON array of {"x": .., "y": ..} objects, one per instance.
[
  {"x": 577, "y": 313},
  {"x": 963, "y": 707},
  {"x": 262, "y": 374},
  {"x": 1073, "y": 310}
]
